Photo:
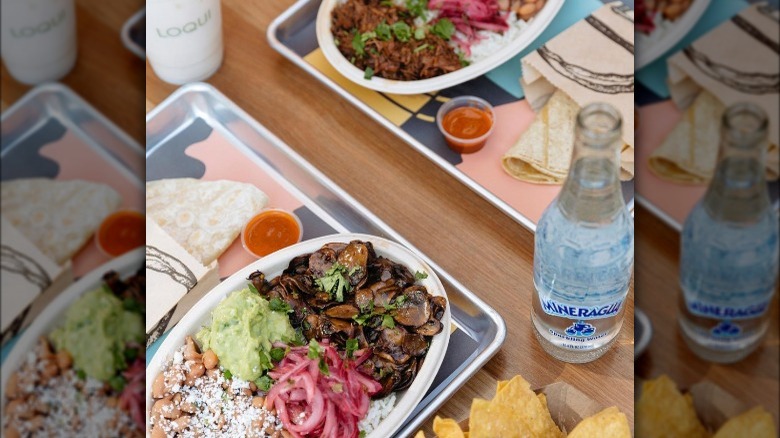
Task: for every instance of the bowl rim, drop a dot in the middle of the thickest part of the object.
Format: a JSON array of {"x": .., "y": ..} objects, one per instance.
[{"x": 406, "y": 400}]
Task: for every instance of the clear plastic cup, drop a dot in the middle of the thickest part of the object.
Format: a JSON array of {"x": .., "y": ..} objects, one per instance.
[
  {"x": 263, "y": 235},
  {"x": 466, "y": 142}
]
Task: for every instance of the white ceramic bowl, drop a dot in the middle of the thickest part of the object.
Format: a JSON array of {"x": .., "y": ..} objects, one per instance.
[
  {"x": 649, "y": 48},
  {"x": 272, "y": 265},
  {"x": 342, "y": 64},
  {"x": 52, "y": 316}
]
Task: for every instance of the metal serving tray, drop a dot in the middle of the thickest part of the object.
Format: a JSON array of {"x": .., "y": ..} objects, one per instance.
[
  {"x": 44, "y": 116},
  {"x": 293, "y": 35},
  {"x": 134, "y": 33},
  {"x": 480, "y": 329}
]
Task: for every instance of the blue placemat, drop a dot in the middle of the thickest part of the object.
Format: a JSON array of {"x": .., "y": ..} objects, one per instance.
[
  {"x": 507, "y": 74},
  {"x": 653, "y": 76}
]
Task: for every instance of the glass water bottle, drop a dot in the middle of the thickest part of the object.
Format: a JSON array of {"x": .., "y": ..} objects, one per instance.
[
  {"x": 729, "y": 247},
  {"x": 584, "y": 247}
]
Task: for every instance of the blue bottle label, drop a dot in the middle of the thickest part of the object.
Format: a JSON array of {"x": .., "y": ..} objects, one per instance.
[
  {"x": 716, "y": 311},
  {"x": 571, "y": 311}
]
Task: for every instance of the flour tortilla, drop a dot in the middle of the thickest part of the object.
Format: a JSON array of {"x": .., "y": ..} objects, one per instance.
[
  {"x": 57, "y": 216},
  {"x": 542, "y": 154},
  {"x": 204, "y": 217},
  {"x": 689, "y": 153}
]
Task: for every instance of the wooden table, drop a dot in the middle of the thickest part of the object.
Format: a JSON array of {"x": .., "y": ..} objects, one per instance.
[
  {"x": 106, "y": 74},
  {"x": 753, "y": 380},
  {"x": 485, "y": 249}
]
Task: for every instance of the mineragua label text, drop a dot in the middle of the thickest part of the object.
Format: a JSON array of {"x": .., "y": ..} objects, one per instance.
[
  {"x": 554, "y": 308},
  {"x": 710, "y": 310}
]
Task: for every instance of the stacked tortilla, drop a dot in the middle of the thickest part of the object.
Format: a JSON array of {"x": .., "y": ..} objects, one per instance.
[{"x": 592, "y": 61}]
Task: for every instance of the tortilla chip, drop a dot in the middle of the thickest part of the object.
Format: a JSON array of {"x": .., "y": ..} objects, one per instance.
[
  {"x": 755, "y": 423},
  {"x": 662, "y": 411},
  {"x": 419, "y": 434},
  {"x": 446, "y": 428},
  {"x": 514, "y": 412},
  {"x": 609, "y": 423},
  {"x": 501, "y": 385}
]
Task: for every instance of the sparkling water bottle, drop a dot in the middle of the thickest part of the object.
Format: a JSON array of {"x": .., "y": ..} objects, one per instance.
[
  {"x": 584, "y": 247},
  {"x": 729, "y": 247}
]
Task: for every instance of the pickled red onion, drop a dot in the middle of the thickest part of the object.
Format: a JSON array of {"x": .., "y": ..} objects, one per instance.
[{"x": 310, "y": 403}]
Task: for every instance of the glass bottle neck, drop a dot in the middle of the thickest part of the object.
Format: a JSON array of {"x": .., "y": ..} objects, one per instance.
[
  {"x": 591, "y": 193},
  {"x": 738, "y": 192}
]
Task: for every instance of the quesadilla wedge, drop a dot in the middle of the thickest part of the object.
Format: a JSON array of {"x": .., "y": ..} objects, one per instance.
[
  {"x": 204, "y": 217},
  {"x": 57, "y": 216}
]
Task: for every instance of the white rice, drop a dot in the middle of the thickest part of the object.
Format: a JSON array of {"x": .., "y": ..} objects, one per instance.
[
  {"x": 660, "y": 29},
  {"x": 492, "y": 42},
  {"x": 378, "y": 410}
]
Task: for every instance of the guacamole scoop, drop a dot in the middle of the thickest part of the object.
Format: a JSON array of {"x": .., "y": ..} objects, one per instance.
[
  {"x": 96, "y": 331},
  {"x": 241, "y": 332}
]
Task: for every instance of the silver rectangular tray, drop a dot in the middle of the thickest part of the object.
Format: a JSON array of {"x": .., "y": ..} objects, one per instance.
[
  {"x": 481, "y": 330},
  {"x": 48, "y": 110},
  {"x": 293, "y": 35}
]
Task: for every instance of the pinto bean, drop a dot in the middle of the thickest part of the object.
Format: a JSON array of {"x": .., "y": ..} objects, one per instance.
[
  {"x": 64, "y": 360},
  {"x": 158, "y": 386},
  {"x": 191, "y": 350},
  {"x": 12, "y": 389},
  {"x": 181, "y": 423},
  {"x": 210, "y": 360}
]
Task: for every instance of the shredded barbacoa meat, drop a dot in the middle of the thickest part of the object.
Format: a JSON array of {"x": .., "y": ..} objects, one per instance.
[{"x": 391, "y": 59}]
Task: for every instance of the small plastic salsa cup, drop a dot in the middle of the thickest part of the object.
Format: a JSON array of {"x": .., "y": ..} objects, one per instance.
[
  {"x": 271, "y": 230},
  {"x": 466, "y": 123},
  {"x": 121, "y": 232}
]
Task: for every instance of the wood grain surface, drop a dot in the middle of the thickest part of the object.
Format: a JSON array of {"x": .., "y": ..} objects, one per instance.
[
  {"x": 753, "y": 381},
  {"x": 106, "y": 74},
  {"x": 483, "y": 248}
]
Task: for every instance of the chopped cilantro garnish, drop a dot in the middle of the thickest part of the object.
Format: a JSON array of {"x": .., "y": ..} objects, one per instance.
[
  {"x": 324, "y": 368},
  {"x": 228, "y": 374},
  {"x": 299, "y": 340},
  {"x": 443, "y": 28},
  {"x": 264, "y": 382},
  {"x": 402, "y": 31},
  {"x": 252, "y": 288},
  {"x": 352, "y": 346},
  {"x": 334, "y": 282},
  {"x": 362, "y": 434},
  {"x": 314, "y": 349},
  {"x": 361, "y": 319},
  {"x": 358, "y": 44},
  {"x": 388, "y": 321},
  {"x": 133, "y": 305},
  {"x": 420, "y": 275},
  {"x": 421, "y": 48},
  {"x": 369, "y": 73},
  {"x": 81, "y": 374},
  {"x": 117, "y": 383},
  {"x": 383, "y": 32},
  {"x": 131, "y": 354},
  {"x": 277, "y": 354},
  {"x": 417, "y": 7},
  {"x": 278, "y": 305}
]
